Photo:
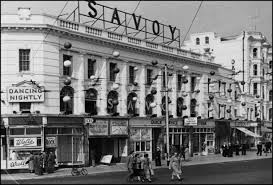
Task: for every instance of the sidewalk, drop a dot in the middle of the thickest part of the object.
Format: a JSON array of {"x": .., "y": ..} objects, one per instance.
[{"x": 213, "y": 158}]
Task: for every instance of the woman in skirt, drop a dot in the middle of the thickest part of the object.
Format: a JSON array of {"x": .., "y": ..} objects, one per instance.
[{"x": 175, "y": 166}]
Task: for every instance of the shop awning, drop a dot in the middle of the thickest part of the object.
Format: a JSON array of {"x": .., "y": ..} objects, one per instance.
[
  {"x": 266, "y": 129},
  {"x": 248, "y": 132}
]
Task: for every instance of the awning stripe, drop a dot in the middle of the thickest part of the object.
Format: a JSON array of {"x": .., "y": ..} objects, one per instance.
[{"x": 248, "y": 132}]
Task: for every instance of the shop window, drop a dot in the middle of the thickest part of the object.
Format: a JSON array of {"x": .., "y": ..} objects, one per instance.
[
  {"x": 112, "y": 72},
  {"x": 39, "y": 141},
  {"x": 77, "y": 131},
  {"x": 137, "y": 146},
  {"x": 25, "y": 107},
  {"x": 17, "y": 131},
  {"x": 51, "y": 130},
  {"x": 131, "y": 74},
  {"x": 255, "y": 70},
  {"x": 179, "y": 106},
  {"x": 24, "y": 59},
  {"x": 206, "y": 40},
  {"x": 148, "y": 148},
  {"x": 91, "y": 66},
  {"x": 67, "y": 107},
  {"x": 148, "y": 108},
  {"x": 270, "y": 95},
  {"x": 65, "y": 131},
  {"x": 255, "y": 52},
  {"x": 11, "y": 142},
  {"x": 131, "y": 104},
  {"x": 90, "y": 101},
  {"x": 67, "y": 70},
  {"x": 33, "y": 131},
  {"x": 192, "y": 108},
  {"x": 197, "y": 41},
  {"x": 142, "y": 145},
  {"x": 149, "y": 76}
]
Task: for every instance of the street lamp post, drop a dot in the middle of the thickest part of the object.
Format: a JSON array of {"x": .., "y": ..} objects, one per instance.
[{"x": 167, "y": 114}]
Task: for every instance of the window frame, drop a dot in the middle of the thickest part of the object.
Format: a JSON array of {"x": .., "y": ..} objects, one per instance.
[
  {"x": 91, "y": 67},
  {"x": 197, "y": 41},
  {"x": 255, "y": 69},
  {"x": 112, "y": 74},
  {"x": 149, "y": 76},
  {"x": 24, "y": 60},
  {"x": 131, "y": 74},
  {"x": 207, "y": 40}
]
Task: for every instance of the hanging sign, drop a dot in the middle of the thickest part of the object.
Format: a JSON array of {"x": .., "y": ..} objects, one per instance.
[
  {"x": 98, "y": 128},
  {"x": 51, "y": 142},
  {"x": 25, "y": 94},
  {"x": 21, "y": 142},
  {"x": 119, "y": 127}
]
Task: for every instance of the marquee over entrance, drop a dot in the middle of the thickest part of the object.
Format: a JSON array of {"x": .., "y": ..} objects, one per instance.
[{"x": 248, "y": 132}]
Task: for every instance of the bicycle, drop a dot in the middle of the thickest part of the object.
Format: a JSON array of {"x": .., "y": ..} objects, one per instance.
[{"x": 76, "y": 171}]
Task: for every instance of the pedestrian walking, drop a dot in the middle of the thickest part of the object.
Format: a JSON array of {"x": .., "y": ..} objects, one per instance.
[
  {"x": 175, "y": 166},
  {"x": 38, "y": 164},
  {"x": 230, "y": 150},
  {"x": 147, "y": 168},
  {"x": 237, "y": 148},
  {"x": 187, "y": 152},
  {"x": 182, "y": 152},
  {"x": 268, "y": 146},
  {"x": 30, "y": 162},
  {"x": 129, "y": 164},
  {"x": 158, "y": 157},
  {"x": 44, "y": 158},
  {"x": 51, "y": 162},
  {"x": 259, "y": 148},
  {"x": 243, "y": 149},
  {"x": 224, "y": 149}
]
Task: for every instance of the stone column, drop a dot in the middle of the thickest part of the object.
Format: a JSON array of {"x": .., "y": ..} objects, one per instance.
[
  {"x": 102, "y": 92},
  {"x": 142, "y": 94},
  {"x": 123, "y": 89},
  {"x": 78, "y": 72},
  {"x": 186, "y": 88},
  {"x": 173, "y": 96}
]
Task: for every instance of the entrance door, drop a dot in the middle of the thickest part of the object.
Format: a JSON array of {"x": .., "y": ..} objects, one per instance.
[{"x": 155, "y": 143}]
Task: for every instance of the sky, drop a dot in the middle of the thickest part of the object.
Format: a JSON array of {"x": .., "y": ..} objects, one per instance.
[{"x": 225, "y": 18}]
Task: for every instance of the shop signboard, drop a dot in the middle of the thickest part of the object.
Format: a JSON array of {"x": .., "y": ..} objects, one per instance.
[
  {"x": 25, "y": 94},
  {"x": 119, "y": 127},
  {"x": 98, "y": 128},
  {"x": 191, "y": 121},
  {"x": 106, "y": 159},
  {"x": 17, "y": 164},
  {"x": 25, "y": 142},
  {"x": 51, "y": 142}
]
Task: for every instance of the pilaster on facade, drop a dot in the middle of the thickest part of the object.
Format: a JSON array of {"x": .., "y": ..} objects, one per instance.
[
  {"x": 123, "y": 88},
  {"x": 102, "y": 94},
  {"x": 79, "y": 93},
  {"x": 142, "y": 92},
  {"x": 173, "y": 96}
]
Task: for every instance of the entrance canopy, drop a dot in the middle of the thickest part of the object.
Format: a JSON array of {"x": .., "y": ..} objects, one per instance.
[{"x": 248, "y": 132}]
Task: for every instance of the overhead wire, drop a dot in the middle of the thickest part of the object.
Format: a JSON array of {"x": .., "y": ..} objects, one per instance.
[{"x": 192, "y": 21}]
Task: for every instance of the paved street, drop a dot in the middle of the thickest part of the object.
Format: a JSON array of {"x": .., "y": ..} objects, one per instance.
[{"x": 236, "y": 172}]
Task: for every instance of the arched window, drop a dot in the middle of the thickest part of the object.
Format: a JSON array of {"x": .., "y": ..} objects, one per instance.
[
  {"x": 148, "y": 109},
  {"x": 197, "y": 41},
  {"x": 66, "y": 106},
  {"x": 163, "y": 105},
  {"x": 270, "y": 95},
  {"x": 255, "y": 69},
  {"x": 206, "y": 40},
  {"x": 90, "y": 101},
  {"x": 255, "y": 52},
  {"x": 131, "y": 104},
  {"x": 192, "y": 108},
  {"x": 179, "y": 106},
  {"x": 112, "y": 102}
]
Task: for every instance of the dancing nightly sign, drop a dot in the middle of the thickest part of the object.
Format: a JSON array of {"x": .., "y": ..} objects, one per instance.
[
  {"x": 25, "y": 94},
  {"x": 107, "y": 18}
]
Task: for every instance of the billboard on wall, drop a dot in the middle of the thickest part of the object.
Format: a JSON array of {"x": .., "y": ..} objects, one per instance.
[
  {"x": 98, "y": 128},
  {"x": 119, "y": 127},
  {"x": 191, "y": 121},
  {"x": 23, "y": 142},
  {"x": 25, "y": 94}
]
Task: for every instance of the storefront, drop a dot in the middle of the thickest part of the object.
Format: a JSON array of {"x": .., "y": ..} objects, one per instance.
[
  {"x": 65, "y": 137},
  {"x": 24, "y": 136},
  {"x": 108, "y": 136},
  {"x": 222, "y": 133},
  {"x": 3, "y": 146}
]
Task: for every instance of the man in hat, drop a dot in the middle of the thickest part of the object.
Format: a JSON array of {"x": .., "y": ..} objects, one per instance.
[{"x": 158, "y": 157}]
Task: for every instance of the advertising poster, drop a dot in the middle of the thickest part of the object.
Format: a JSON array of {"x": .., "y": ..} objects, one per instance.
[{"x": 98, "y": 128}]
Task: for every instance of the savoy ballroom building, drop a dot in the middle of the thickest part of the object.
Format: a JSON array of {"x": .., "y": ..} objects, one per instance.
[{"x": 86, "y": 92}]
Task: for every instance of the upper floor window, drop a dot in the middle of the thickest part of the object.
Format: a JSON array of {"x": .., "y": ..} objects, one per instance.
[
  {"x": 206, "y": 40},
  {"x": 270, "y": 95},
  {"x": 91, "y": 64},
  {"x": 67, "y": 70},
  {"x": 112, "y": 72},
  {"x": 270, "y": 114},
  {"x": 193, "y": 107},
  {"x": 255, "y": 88},
  {"x": 67, "y": 106},
  {"x": 179, "y": 82},
  {"x": 90, "y": 101},
  {"x": 255, "y": 54},
  {"x": 255, "y": 69},
  {"x": 163, "y": 79},
  {"x": 25, "y": 107},
  {"x": 193, "y": 83},
  {"x": 270, "y": 64},
  {"x": 131, "y": 74},
  {"x": 149, "y": 76},
  {"x": 197, "y": 41},
  {"x": 24, "y": 59}
]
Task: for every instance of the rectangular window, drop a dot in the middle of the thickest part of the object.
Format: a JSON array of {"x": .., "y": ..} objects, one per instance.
[
  {"x": 17, "y": 131},
  {"x": 33, "y": 131},
  {"x": 25, "y": 107},
  {"x": 209, "y": 80},
  {"x": 149, "y": 76},
  {"x": 91, "y": 64},
  {"x": 112, "y": 73},
  {"x": 179, "y": 82},
  {"x": 193, "y": 83},
  {"x": 255, "y": 69},
  {"x": 206, "y": 40},
  {"x": 255, "y": 88},
  {"x": 131, "y": 74},
  {"x": 67, "y": 70},
  {"x": 24, "y": 59}
]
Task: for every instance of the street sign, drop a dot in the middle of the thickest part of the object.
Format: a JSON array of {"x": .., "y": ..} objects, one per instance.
[{"x": 191, "y": 121}]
